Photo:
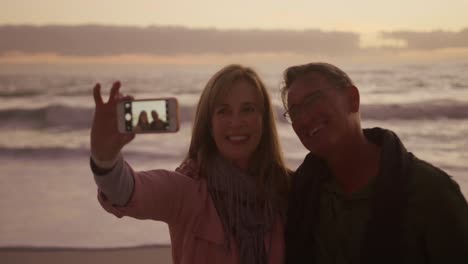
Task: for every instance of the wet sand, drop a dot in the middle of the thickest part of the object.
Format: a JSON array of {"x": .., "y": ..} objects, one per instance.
[{"x": 33, "y": 255}]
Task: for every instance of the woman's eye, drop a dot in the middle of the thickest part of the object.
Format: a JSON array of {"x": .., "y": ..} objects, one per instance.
[
  {"x": 248, "y": 109},
  {"x": 220, "y": 111}
]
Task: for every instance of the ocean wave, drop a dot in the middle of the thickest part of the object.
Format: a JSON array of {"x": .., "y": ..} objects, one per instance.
[
  {"x": 49, "y": 153},
  {"x": 371, "y": 71},
  {"x": 60, "y": 117},
  {"x": 430, "y": 110},
  {"x": 70, "y": 117},
  {"x": 18, "y": 93},
  {"x": 459, "y": 85},
  {"x": 52, "y": 116},
  {"x": 42, "y": 152}
]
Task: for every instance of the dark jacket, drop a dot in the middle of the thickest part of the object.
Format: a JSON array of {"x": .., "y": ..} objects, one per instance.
[{"x": 415, "y": 213}]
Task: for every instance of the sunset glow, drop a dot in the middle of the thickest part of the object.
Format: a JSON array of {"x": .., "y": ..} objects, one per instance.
[{"x": 365, "y": 26}]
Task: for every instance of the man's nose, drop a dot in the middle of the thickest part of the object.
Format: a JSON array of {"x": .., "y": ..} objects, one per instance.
[{"x": 302, "y": 116}]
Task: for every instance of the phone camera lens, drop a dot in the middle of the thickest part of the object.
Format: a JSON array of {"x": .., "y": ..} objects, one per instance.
[{"x": 128, "y": 117}]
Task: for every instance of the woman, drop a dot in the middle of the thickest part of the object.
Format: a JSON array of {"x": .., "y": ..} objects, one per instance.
[
  {"x": 226, "y": 202},
  {"x": 143, "y": 123}
]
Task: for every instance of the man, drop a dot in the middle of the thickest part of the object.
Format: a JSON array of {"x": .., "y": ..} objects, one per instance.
[
  {"x": 359, "y": 196},
  {"x": 157, "y": 123}
]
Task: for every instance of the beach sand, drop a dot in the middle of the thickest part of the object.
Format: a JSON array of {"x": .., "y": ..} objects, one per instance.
[{"x": 141, "y": 255}]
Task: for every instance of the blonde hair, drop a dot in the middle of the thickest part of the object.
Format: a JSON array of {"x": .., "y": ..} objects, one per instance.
[{"x": 267, "y": 163}]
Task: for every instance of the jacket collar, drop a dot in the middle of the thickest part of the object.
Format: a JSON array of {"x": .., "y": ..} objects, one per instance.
[{"x": 388, "y": 203}]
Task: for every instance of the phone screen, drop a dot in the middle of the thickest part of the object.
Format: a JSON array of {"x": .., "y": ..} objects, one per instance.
[{"x": 146, "y": 116}]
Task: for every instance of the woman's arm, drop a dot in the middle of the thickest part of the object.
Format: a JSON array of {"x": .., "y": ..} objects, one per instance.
[
  {"x": 158, "y": 194},
  {"x": 113, "y": 180}
]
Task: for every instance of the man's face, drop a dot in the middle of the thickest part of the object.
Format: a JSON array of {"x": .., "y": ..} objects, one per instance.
[
  {"x": 155, "y": 115},
  {"x": 320, "y": 113}
]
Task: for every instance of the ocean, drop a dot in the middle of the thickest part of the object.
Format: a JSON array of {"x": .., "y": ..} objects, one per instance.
[{"x": 48, "y": 195}]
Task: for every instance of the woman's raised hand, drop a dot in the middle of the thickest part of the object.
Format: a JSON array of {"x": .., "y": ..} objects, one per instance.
[{"x": 106, "y": 140}]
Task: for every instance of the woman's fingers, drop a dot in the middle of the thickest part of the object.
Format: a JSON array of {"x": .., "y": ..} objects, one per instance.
[
  {"x": 106, "y": 141},
  {"x": 97, "y": 94},
  {"x": 126, "y": 138},
  {"x": 114, "y": 93},
  {"x": 114, "y": 96},
  {"x": 127, "y": 98}
]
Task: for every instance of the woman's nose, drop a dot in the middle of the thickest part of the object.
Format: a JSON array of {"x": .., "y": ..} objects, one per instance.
[{"x": 236, "y": 119}]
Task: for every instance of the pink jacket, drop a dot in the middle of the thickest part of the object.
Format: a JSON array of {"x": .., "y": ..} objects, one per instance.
[{"x": 195, "y": 229}]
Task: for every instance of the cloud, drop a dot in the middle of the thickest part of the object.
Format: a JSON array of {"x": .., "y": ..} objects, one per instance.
[
  {"x": 98, "y": 40},
  {"x": 430, "y": 40}
]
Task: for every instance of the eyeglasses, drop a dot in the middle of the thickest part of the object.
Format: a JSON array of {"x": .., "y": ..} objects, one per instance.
[{"x": 307, "y": 105}]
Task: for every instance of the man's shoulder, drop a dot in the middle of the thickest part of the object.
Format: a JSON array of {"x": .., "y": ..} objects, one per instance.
[
  {"x": 307, "y": 174},
  {"x": 422, "y": 167},
  {"x": 430, "y": 179}
]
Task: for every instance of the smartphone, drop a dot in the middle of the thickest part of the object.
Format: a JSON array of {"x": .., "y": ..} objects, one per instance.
[{"x": 159, "y": 115}]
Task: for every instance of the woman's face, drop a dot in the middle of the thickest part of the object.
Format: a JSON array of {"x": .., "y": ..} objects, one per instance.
[
  {"x": 237, "y": 123},
  {"x": 144, "y": 117}
]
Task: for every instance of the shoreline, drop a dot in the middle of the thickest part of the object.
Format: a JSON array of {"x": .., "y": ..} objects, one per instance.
[{"x": 71, "y": 255}]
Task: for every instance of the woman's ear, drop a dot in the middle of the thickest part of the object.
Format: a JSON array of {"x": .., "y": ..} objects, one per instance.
[{"x": 353, "y": 99}]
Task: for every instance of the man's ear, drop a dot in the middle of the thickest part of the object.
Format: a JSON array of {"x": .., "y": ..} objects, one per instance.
[{"x": 353, "y": 99}]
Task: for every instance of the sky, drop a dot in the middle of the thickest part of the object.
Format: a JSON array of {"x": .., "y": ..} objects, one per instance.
[
  {"x": 371, "y": 23},
  {"x": 357, "y": 15}
]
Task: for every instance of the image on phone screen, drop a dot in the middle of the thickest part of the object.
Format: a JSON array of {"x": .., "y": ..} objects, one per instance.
[{"x": 149, "y": 116}]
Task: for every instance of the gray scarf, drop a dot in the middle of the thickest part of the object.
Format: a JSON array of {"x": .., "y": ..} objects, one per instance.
[{"x": 243, "y": 214}]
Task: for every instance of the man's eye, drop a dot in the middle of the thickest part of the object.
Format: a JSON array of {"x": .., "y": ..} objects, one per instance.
[
  {"x": 293, "y": 111},
  {"x": 312, "y": 98}
]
